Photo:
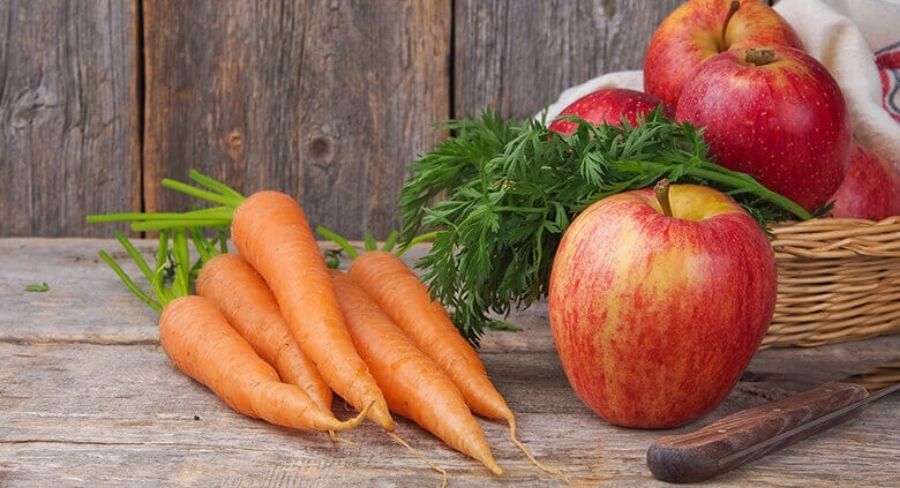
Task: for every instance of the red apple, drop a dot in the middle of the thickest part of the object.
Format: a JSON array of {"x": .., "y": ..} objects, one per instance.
[
  {"x": 700, "y": 29},
  {"x": 775, "y": 113},
  {"x": 655, "y": 317},
  {"x": 871, "y": 189},
  {"x": 607, "y": 106}
]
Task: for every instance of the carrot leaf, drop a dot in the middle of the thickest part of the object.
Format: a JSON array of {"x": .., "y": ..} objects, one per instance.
[
  {"x": 501, "y": 193},
  {"x": 333, "y": 258}
]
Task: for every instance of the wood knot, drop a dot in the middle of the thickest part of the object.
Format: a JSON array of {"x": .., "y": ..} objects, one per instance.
[
  {"x": 234, "y": 143},
  {"x": 319, "y": 146}
]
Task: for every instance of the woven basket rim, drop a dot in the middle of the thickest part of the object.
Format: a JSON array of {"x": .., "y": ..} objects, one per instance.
[{"x": 836, "y": 238}]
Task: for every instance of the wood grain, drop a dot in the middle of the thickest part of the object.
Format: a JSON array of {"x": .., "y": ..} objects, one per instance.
[
  {"x": 88, "y": 399},
  {"x": 518, "y": 55},
  {"x": 327, "y": 101},
  {"x": 69, "y": 115}
]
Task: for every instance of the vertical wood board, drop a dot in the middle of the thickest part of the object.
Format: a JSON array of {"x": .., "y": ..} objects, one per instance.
[
  {"x": 69, "y": 115},
  {"x": 327, "y": 101},
  {"x": 517, "y": 56}
]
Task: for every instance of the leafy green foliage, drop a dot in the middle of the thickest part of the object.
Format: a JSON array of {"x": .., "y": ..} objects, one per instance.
[
  {"x": 509, "y": 190},
  {"x": 38, "y": 288}
]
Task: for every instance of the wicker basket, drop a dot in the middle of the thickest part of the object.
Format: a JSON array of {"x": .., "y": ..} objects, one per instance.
[{"x": 838, "y": 281}]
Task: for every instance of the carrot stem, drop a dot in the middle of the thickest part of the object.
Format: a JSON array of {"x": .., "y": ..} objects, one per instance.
[
  {"x": 181, "y": 285},
  {"x": 391, "y": 241},
  {"x": 201, "y": 193},
  {"x": 339, "y": 240},
  {"x": 129, "y": 283},
  {"x": 152, "y": 225},
  {"x": 369, "y": 241},
  {"x": 223, "y": 239},
  {"x": 135, "y": 255},
  {"x": 162, "y": 259},
  {"x": 201, "y": 244},
  {"x": 428, "y": 236},
  {"x": 215, "y": 185},
  {"x": 205, "y": 213}
]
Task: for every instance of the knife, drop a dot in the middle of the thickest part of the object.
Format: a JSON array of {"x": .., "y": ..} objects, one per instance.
[{"x": 750, "y": 434}]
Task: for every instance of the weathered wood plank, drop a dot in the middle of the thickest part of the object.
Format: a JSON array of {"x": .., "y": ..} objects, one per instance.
[
  {"x": 327, "y": 101},
  {"x": 517, "y": 56},
  {"x": 88, "y": 398},
  {"x": 126, "y": 410},
  {"x": 86, "y": 301},
  {"x": 69, "y": 115}
]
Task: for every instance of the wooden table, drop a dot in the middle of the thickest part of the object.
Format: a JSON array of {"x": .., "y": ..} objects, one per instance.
[{"x": 87, "y": 398}]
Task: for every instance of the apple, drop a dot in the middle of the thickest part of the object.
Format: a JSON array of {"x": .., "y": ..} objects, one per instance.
[
  {"x": 775, "y": 113},
  {"x": 655, "y": 312},
  {"x": 700, "y": 29},
  {"x": 871, "y": 189},
  {"x": 609, "y": 106}
]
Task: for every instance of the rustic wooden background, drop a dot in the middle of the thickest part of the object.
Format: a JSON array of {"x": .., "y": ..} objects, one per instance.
[{"x": 326, "y": 100}]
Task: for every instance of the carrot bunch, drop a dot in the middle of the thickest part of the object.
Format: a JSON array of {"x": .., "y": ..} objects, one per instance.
[
  {"x": 373, "y": 334},
  {"x": 202, "y": 343}
]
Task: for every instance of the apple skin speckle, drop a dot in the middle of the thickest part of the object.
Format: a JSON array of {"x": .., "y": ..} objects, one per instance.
[{"x": 800, "y": 137}]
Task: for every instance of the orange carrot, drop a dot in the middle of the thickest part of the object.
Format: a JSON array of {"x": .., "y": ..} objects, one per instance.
[
  {"x": 271, "y": 232},
  {"x": 201, "y": 343},
  {"x": 405, "y": 299},
  {"x": 412, "y": 383},
  {"x": 246, "y": 301}
]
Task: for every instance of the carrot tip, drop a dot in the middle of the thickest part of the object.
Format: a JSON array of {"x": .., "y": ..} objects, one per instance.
[
  {"x": 334, "y": 438},
  {"x": 442, "y": 471},
  {"x": 521, "y": 446},
  {"x": 351, "y": 423}
]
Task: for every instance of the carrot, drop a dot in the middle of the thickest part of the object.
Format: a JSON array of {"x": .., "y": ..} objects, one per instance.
[
  {"x": 201, "y": 343},
  {"x": 405, "y": 299},
  {"x": 271, "y": 232},
  {"x": 246, "y": 301},
  {"x": 412, "y": 383}
]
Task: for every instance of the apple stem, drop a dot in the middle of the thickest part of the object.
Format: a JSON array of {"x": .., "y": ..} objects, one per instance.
[
  {"x": 759, "y": 57},
  {"x": 662, "y": 194},
  {"x": 735, "y": 5}
]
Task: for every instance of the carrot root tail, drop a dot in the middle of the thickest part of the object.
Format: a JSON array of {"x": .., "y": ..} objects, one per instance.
[
  {"x": 538, "y": 464},
  {"x": 351, "y": 423},
  {"x": 442, "y": 471},
  {"x": 336, "y": 439}
]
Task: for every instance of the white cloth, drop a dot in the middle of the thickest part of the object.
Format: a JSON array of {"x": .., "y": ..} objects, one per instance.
[{"x": 857, "y": 40}]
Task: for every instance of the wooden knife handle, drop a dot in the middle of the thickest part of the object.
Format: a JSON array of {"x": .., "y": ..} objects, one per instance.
[{"x": 729, "y": 442}]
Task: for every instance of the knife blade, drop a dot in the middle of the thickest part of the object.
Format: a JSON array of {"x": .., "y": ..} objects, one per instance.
[{"x": 752, "y": 433}]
